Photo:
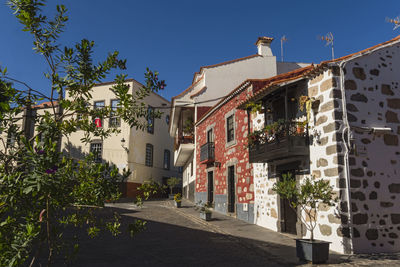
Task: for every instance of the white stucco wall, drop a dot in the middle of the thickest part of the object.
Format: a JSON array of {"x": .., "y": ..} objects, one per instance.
[{"x": 135, "y": 140}]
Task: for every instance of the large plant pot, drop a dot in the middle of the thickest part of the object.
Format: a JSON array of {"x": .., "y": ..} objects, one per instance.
[
  {"x": 316, "y": 251},
  {"x": 178, "y": 204},
  {"x": 205, "y": 216}
]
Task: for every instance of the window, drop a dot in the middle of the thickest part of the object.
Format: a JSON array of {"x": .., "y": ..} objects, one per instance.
[
  {"x": 180, "y": 169},
  {"x": 167, "y": 119},
  {"x": 150, "y": 120},
  {"x": 97, "y": 150},
  {"x": 191, "y": 168},
  {"x": 210, "y": 137},
  {"x": 98, "y": 120},
  {"x": 115, "y": 121},
  {"x": 149, "y": 155},
  {"x": 167, "y": 156},
  {"x": 230, "y": 129}
]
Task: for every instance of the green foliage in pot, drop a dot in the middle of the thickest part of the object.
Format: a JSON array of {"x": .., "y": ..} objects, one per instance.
[
  {"x": 254, "y": 107},
  {"x": 254, "y": 138},
  {"x": 178, "y": 197},
  {"x": 188, "y": 126},
  {"x": 203, "y": 207},
  {"x": 172, "y": 182},
  {"x": 305, "y": 197}
]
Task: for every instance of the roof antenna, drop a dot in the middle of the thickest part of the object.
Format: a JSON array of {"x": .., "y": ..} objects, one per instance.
[
  {"x": 395, "y": 21},
  {"x": 283, "y": 39},
  {"x": 329, "y": 41}
]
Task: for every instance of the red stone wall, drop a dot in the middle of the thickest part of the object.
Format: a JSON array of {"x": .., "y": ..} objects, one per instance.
[{"x": 237, "y": 152}]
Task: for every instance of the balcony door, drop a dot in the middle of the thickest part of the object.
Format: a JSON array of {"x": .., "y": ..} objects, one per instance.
[
  {"x": 210, "y": 187},
  {"x": 231, "y": 189}
]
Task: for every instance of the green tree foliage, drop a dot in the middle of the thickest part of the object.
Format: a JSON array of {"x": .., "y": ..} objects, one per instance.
[
  {"x": 172, "y": 182},
  {"x": 306, "y": 197},
  {"x": 44, "y": 191}
]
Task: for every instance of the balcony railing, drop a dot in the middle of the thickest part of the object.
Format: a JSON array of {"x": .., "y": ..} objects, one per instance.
[
  {"x": 207, "y": 152},
  {"x": 283, "y": 140}
]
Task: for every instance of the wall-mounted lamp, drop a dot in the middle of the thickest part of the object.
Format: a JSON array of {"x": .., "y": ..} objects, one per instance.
[{"x": 123, "y": 145}]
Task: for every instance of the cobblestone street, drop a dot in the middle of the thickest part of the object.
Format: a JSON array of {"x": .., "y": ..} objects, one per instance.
[{"x": 177, "y": 237}]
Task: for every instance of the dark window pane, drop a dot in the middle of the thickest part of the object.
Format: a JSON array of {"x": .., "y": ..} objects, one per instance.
[
  {"x": 115, "y": 121},
  {"x": 149, "y": 155},
  {"x": 97, "y": 149},
  {"x": 230, "y": 129},
  {"x": 167, "y": 156}
]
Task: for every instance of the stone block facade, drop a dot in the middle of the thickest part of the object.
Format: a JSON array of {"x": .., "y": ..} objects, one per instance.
[{"x": 354, "y": 144}]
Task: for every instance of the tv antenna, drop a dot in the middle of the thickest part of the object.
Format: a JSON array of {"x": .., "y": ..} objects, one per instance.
[
  {"x": 329, "y": 41},
  {"x": 395, "y": 21},
  {"x": 283, "y": 39}
]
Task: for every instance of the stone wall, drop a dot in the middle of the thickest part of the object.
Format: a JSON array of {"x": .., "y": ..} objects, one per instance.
[
  {"x": 227, "y": 154},
  {"x": 373, "y": 100},
  {"x": 326, "y": 154}
]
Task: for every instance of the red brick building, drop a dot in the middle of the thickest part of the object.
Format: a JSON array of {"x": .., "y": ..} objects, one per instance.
[{"x": 224, "y": 175}]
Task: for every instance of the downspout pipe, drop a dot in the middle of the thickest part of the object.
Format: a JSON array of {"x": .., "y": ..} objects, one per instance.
[{"x": 346, "y": 131}]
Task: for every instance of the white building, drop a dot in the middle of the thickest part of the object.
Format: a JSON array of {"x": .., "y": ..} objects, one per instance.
[
  {"x": 148, "y": 154},
  {"x": 208, "y": 86}
]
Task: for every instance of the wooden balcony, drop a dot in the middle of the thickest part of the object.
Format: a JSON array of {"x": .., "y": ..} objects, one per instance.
[
  {"x": 207, "y": 154},
  {"x": 285, "y": 142}
]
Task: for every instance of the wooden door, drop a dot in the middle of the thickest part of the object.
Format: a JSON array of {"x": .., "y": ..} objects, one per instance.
[
  {"x": 210, "y": 197},
  {"x": 289, "y": 215}
]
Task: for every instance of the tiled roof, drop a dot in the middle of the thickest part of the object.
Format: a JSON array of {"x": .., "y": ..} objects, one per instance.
[
  {"x": 276, "y": 80},
  {"x": 257, "y": 83},
  {"x": 324, "y": 64},
  {"x": 46, "y": 104}
]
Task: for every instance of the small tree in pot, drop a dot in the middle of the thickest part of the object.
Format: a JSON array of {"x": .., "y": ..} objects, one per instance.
[
  {"x": 307, "y": 196},
  {"x": 172, "y": 182}
]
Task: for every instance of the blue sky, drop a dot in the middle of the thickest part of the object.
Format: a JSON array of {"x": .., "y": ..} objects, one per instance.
[{"x": 177, "y": 37}]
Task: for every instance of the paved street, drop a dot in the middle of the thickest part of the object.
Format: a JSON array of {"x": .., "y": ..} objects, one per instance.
[{"x": 177, "y": 237}]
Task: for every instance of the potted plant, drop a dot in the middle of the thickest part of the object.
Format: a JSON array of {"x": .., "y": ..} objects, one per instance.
[
  {"x": 307, "y": 196},
  {"x": 301, "y": 126},
  {"x": 188, "y": 127},
  {"x": 178, "y": 200},
  {"x": 255, "y": 138},
  {"x": 204, "y": 209},
  {"x": 172, "y": 182},
  {"x": 254, "y": 107},
  {"x": 308, "y": 102}
]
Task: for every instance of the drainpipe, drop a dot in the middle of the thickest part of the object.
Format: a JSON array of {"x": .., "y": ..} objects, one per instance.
[
  {"x": 347, "y": 145},
  {"x": 194, "y": 162}
]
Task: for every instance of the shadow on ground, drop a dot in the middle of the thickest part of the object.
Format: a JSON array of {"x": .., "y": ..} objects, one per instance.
[{"x": 173, "y": 240}]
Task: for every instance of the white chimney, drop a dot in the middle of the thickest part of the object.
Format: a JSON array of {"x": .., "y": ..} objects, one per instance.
[{"x": 264, "y": 46}]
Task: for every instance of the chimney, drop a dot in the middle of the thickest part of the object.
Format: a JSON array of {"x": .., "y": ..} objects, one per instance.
[{"x": 264, "y": 46}]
